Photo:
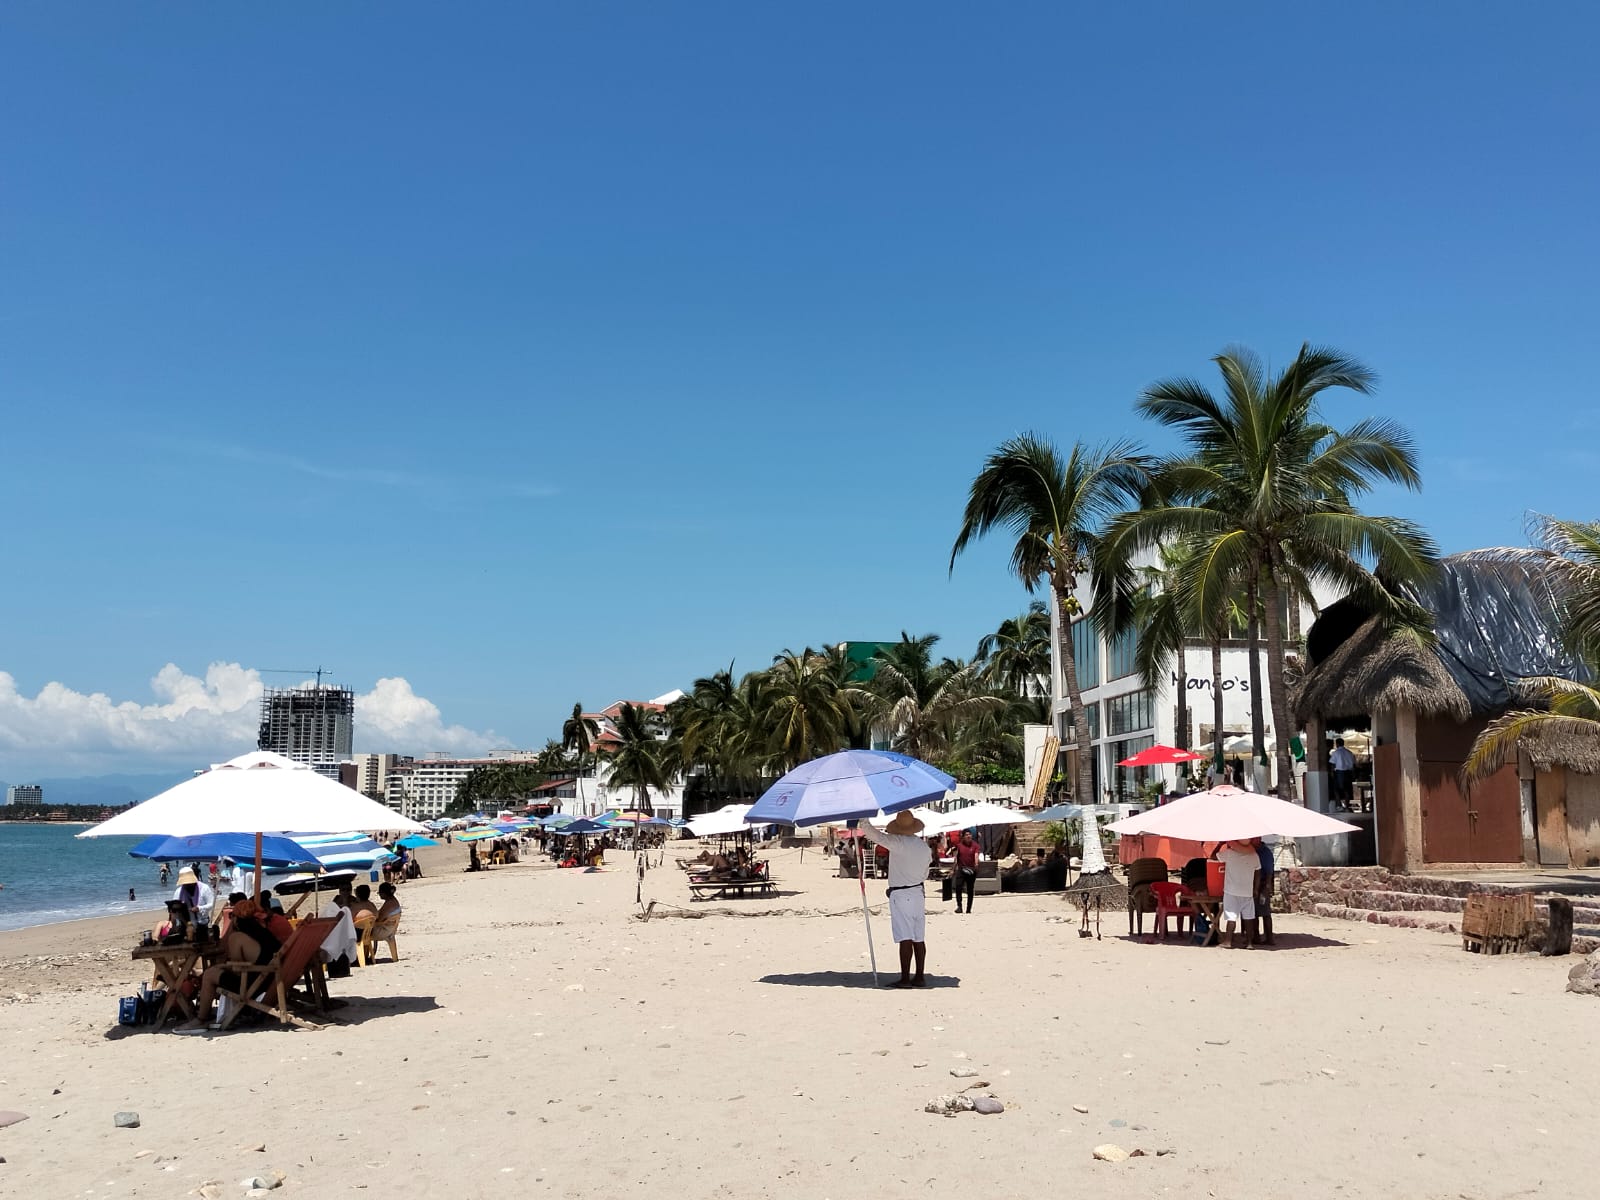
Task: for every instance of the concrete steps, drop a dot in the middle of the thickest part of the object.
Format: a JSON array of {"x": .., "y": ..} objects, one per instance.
[{"x": 1376, "y": 896}]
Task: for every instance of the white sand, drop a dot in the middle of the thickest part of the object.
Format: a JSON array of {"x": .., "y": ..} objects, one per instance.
[{"x": 535, "y": 1040}]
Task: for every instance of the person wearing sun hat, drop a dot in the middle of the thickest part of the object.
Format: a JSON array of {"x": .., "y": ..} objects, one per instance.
[
  {"x": 909, "y": 858},
  {"x": 196, "y": 895}
]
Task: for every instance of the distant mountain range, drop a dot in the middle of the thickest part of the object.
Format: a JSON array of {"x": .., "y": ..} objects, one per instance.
[{"x": 112, "y": 791}]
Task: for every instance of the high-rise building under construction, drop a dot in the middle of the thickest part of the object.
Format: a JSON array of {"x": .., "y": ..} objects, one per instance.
[{"x": 312, "y": 725}]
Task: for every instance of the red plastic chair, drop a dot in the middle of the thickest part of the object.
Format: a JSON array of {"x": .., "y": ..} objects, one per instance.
[{"x": 1167, "y": 905}]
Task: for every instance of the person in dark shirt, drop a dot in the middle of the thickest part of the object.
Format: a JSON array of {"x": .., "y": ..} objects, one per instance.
[{"x": 966, "y": 869}]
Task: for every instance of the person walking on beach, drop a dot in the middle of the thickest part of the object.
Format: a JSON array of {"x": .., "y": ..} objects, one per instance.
[
  {"x": 1239, "y": 866},
  {"x": 1343, "y": 765},
  {"x": 966, "y": 870},
  {"x": 909, "y": 858}
]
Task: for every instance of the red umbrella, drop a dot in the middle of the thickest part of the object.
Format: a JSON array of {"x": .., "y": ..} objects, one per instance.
[{"x": 1160, "y": 756}]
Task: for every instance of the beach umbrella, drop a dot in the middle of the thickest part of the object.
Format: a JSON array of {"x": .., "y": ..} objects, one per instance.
[
  {"x": 1160, "y": 756},
  {"x": 1058, "y": 812},
  {"x": 259, "y": 791},
  {"x": 1228, "y": 814},
  {"x": 276, "y": 851},
  {"x": 727, "y": 819},
  {"x": 584, "y": 827},
  {"x": 975, "y": 815},
  {"x": 478, "y": 835},
  {"x": 414, "y": 840},
  {"x": 850, "y": 785},
  {"x": 556, "y": 820}
]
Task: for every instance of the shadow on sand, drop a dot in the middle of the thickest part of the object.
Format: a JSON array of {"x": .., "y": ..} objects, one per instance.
[{"x": 852, "y": 979}]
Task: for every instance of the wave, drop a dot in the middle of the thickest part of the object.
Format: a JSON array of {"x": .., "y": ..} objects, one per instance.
[{"x": 28, "y": 918}]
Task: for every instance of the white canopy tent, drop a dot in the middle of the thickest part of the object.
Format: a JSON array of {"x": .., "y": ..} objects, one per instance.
[{"x": 726, "y": 820}]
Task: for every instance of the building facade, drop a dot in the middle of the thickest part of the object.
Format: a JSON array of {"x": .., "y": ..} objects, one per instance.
[
  {"x": 1126, "y": 717},
  {"x": 311, "y": 725},
  {"x": 372, "y": 773},
  {"x": 25, "y": 793}
]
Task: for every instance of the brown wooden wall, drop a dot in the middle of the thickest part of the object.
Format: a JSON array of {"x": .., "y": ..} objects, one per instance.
[
  {"x": 1567, "y": 813},
  {"x": 1483, "y": 828},
  {"x": 1386, "y": 806}
]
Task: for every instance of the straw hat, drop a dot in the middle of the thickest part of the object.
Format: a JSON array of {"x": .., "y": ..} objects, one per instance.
[
  {"x": 904, "y": 822},
  {"x": 187, "y": 875}
]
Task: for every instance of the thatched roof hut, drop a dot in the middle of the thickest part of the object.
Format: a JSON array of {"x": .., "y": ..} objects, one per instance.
[
  {"x": 1370, "y": 671},
  {"x": 1570, "y": 746}
]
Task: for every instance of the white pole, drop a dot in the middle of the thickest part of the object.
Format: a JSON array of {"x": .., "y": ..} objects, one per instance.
[{"x": 866, "y": 916}]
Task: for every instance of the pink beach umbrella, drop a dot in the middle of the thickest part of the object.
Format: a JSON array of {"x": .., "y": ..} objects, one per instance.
[{"x": 1229, "y": 814}]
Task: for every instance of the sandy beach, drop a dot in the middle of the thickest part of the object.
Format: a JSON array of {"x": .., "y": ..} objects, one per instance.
[{"x": 538, "y": 1038}]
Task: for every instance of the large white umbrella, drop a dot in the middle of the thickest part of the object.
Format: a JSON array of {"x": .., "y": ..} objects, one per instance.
[
  {"x": 933, "y": 823},
  {"x": 1227, "y": 814},
  {"x": 727, "y": 819},
  {"x": 260, "y": 792},
  {"x": 256, "y": 792},
  {"x": 982, "y": 814}
]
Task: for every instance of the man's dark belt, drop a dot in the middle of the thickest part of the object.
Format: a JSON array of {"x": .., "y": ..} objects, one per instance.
[{"x": 903, "y": 887}]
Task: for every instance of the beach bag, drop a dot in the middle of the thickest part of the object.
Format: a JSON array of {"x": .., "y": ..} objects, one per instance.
[
  {"x": 128, "y": 1010},
  {"x": 947, "y": 889}
]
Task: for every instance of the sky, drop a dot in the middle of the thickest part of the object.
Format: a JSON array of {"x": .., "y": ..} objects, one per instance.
[{"x": 500, "y": 356}]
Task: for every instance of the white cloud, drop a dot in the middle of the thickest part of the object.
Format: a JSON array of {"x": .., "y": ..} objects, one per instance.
[{"x": 191, "y": 721}]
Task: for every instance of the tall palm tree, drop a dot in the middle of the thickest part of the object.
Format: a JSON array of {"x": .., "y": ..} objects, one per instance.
[
  {"x": 639, "y": 761},
  {"x": 926, "y": 703},
  {"x": 1016, "y": 656},
  {"x": 577, "y": 736},
  {"x": 1055, "y": 508},
  {"x": 803, "y": 711},
  {"x": 1267, "y": 494}
]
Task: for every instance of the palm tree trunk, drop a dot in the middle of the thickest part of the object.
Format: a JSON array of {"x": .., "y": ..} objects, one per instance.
[
  {"x": 1258, "y": 716},
  {"x": 1183, "y": 699},
  {"x": 1282, "y": 719},
  {"x": 1083, "y": 780},
  {"x": 1216, "y": 698}
]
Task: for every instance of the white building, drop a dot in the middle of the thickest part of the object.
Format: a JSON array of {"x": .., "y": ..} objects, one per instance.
[
  {"x": 596, "y": 795},
  {"x": 372, "y": 772},
  {"x": 24, "y": 793},
  {"x": 423, "y": 788},
  {"x": 1125, "y": 717}
]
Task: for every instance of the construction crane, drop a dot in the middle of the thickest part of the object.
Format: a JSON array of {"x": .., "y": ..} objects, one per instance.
[{"x": 319, "y": 672}]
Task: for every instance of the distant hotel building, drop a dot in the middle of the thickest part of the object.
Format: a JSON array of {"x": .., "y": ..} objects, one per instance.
[
  {"x": 423, "y": 788},
  {"x": 25, "y": 793},
  {"x": 311, "y": 725},
  {"x": 372, "y": 773}
]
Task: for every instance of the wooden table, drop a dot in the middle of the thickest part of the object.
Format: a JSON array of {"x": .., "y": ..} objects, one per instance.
[
  {"x": 1204, "y": 905},
  {"x": 173, "y": 964}
]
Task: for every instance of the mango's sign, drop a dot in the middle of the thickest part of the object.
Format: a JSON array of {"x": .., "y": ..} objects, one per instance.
[{"x": 1229, "y": 683}]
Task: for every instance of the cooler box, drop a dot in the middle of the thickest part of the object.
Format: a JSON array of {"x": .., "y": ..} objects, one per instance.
[{"x": 1214, "y": 875}]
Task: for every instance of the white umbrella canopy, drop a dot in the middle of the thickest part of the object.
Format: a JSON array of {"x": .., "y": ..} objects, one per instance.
[
  {"x": 932, "y": 822},
  {"x": 256, "y": 792},
  {"x": 727, "y": 819},
  {"x": 1226, "y": 814},
  {"x": 982, "y": 814}
]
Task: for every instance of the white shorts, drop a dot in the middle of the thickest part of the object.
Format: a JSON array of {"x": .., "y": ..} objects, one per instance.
[
  {"x": 1238, "y": 908},
  {"x": 908, "y": 915}
]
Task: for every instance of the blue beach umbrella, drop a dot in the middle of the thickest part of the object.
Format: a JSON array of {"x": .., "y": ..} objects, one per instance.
[
  {"x": 414, "y": 840},
  {"x": 276, "y": 851},
  {"x": 848, "y": 786},
  {"x": 1058, "y": 812},
  {"x": 586, "y": 827}
]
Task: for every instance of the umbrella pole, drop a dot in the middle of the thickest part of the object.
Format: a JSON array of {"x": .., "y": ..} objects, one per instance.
[
  {"x": 866, "y": 917},
  {"x": 258, "y": 868}
]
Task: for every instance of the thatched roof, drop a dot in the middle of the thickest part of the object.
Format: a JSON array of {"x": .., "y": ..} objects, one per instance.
[
  {"x": 1551, "y": 746},
  {"x": 1369, "y": 672}
]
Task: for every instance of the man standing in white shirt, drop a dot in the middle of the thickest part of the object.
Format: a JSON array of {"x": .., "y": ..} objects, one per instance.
[
  {"x": 909, "y": 858},
  {"x": 1343, "y": 765}
]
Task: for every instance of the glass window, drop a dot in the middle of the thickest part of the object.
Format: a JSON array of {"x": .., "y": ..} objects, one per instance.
[
  {"x": 1120, "y": 655},
  {"x": 1130, "y": 713},
  {"x": 1126, "y": 782},
  {"x": 1086, "y": 652}
]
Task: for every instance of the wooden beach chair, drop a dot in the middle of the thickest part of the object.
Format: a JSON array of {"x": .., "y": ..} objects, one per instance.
[{"x": 259, "y": 984}]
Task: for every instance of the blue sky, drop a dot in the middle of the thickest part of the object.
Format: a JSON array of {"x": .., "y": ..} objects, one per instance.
[{"x": 533, "y": 353}]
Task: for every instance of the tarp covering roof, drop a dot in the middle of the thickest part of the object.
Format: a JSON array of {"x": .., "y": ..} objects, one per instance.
[{"x": 1495, "y": 624}]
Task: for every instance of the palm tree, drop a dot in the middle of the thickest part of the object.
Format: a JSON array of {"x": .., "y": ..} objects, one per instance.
[
  {"x": 1055, "y": 509},
  {"x": 802, "y": 711},
  {"x": 1566, "y": 557},
  {"x": 1017, "y": 655},
  {"x": 925, "y": 704},
  {"x": 1267, "y": 495},
  {"x": 577, "y": 735},
  {"x": 639, "y": 761}
]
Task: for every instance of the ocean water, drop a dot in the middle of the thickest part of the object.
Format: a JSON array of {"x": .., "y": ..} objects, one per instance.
[{"x": 47, "y": 874}]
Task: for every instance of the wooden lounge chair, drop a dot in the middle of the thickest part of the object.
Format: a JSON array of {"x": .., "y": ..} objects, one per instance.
[
  {"x": 376, "y": 934},
  {"x": 259, "y": 984}
]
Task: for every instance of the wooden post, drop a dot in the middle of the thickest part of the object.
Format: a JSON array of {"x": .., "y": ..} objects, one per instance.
[
  {"x": 1410, "y": 787},
  {"x": 1559, "y": 940},
  {"x": 1316, "y": 765}
]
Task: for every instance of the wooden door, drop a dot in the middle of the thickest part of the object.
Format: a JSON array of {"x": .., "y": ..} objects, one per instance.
[
  {"x": 1387, "y": 824},
  {"x": 1583, "y": 819},
  {"x": 1550, "y": 817},
  {"x": 1486, "y": 830}
]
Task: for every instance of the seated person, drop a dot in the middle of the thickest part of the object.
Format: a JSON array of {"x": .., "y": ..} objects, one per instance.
[
  {"x": 272, "y": 916},
  {"x": 176, "y": 926},
  {"x": 227, "y": 914},
  {"x": 344, "y": 899},
  {"x": 391, "y": 902},
  {"x": 248, "y": 941},
  {"x": 363, "y": 903}
]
